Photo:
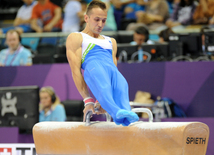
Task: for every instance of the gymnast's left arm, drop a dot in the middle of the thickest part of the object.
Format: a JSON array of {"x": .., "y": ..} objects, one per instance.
[{"x": 114, "y": 50}]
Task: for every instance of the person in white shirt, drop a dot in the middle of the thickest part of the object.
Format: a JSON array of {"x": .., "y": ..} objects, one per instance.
[
  {"x": 22, "y": 20},
  {"x": 71, "y": 21}
]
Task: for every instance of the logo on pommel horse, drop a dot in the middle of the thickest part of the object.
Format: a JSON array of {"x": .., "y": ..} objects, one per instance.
[
  {"x": 8, "y": 104},
  {"x": 196, "y": 140}
]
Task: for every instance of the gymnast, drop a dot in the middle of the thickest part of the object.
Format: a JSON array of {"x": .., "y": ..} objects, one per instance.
[{"x": 96, "y": 55}]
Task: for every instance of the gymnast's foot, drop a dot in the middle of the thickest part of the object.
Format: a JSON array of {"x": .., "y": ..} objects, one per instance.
[
  {"x": 122, "y": 121},
  {"x": 129, "y": 115}
]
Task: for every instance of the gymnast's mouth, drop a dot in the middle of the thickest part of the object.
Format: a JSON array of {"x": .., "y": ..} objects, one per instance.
[{"x": 99, "y": 29}]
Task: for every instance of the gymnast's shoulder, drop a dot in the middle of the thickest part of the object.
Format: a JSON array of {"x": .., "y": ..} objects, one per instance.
[{"x": 74, "y": 38}]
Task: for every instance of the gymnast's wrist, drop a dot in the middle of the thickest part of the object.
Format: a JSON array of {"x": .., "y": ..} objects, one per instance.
[{"x": 88, "y": 100}]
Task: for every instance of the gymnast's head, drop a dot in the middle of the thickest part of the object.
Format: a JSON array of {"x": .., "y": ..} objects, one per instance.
[{"x": 96, "y": 16}]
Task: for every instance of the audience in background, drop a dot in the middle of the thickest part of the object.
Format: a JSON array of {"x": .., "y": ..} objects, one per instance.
[
  {"x": 120, "y": 4},
  {"x": 71, "y": 22},
  {"x": 211, "y": 22},
  {"x": 15, "y": 54},
  {"x": 154, "y": 17},
  {"x": 164, "y": 35},
  {"x": 110, "y": 22},
  {"x": 171, "y": 4},
  {"x": 50, "y": 107},
  {"x": 45, "y": 16},
  {"x": 81, "y": 14},
  {"x": 132, "y": 8},
  {"x": 203, "y": 12},
  {"x": 140, "y": 36},
  {"x": 49, "y": 16},
  {"x": 22, "y": 20},
  {"x": 182, "y": 14}
]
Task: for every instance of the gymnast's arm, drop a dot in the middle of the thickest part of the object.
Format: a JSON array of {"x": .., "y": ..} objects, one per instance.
[
  {"x": 74, "y": 54},
  {"x": 114, "y": 50}
]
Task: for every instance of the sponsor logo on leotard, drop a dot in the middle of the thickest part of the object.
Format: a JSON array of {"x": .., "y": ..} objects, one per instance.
[{"x": 90, "y": 47}]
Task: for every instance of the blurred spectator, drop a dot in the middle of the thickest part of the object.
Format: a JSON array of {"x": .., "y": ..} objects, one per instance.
[
  {"x": 110, "y": 22},
  {"x": 49, "y": 16},
  {"x": 15, "y": 54},
  {"x": 171, "y": 4},
  {"x": 50, "y": 107},
  {"x": 71, "y": 21},
  {"x": 140, "y": 36},
  {"x": 182, "y": 14},
  {"x": 154, "y": 17},
  {"x": 164, "y": 35},
  {"x": 203, "y": 12},
  {"x": 211, "y": 22},
  {"x": 131, "y": 9},
  {"x": 81, "y": 14},
  {"x": 22, "y": 20},
  {"x": 120, "y": 4}
]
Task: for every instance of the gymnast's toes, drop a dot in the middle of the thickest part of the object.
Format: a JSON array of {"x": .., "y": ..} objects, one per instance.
[{"x": 129, "y": 115}]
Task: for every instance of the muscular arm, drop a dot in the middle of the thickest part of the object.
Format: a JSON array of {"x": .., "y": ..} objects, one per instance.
[
  {"x": 73, "y": 51},
  {"x": 114, "y": 50}
]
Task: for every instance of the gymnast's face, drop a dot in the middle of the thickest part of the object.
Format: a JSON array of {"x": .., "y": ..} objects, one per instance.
[
  {"x": 96, "y": 20},
  {"x": 45, "y": 99}
]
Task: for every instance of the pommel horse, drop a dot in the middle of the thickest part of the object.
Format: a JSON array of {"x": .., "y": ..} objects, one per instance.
[{"x": 107, "y": 138}]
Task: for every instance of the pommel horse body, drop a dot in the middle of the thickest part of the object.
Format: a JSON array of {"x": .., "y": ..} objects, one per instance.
[{"x": 107, "y": 138}]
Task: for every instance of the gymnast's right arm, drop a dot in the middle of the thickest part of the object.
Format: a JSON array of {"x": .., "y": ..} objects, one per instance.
[{"x": 74, "y": 55}]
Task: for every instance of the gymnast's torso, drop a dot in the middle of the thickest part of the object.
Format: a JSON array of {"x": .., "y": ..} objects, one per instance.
[{"x": 94, "y": 49}]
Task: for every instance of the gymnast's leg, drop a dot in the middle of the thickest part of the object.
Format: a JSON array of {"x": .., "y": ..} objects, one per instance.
[
  {"x": 99, "y": 79},
  {"x": 121, "y": 97}
]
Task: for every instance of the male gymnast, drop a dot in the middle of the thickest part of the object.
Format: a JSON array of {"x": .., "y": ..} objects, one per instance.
[{"x": 96, "y": 55}]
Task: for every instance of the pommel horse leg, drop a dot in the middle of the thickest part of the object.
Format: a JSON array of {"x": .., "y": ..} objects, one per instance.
[{"x": 107, "y": 138}]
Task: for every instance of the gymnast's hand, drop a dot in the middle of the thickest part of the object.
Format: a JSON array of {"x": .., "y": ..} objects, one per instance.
[
  {"x": 89, "y": 107},
  {"x": 98, "y": 108}
]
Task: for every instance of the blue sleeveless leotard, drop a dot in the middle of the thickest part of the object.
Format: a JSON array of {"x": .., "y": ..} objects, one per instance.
[{"x": 102, "y": 76}]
